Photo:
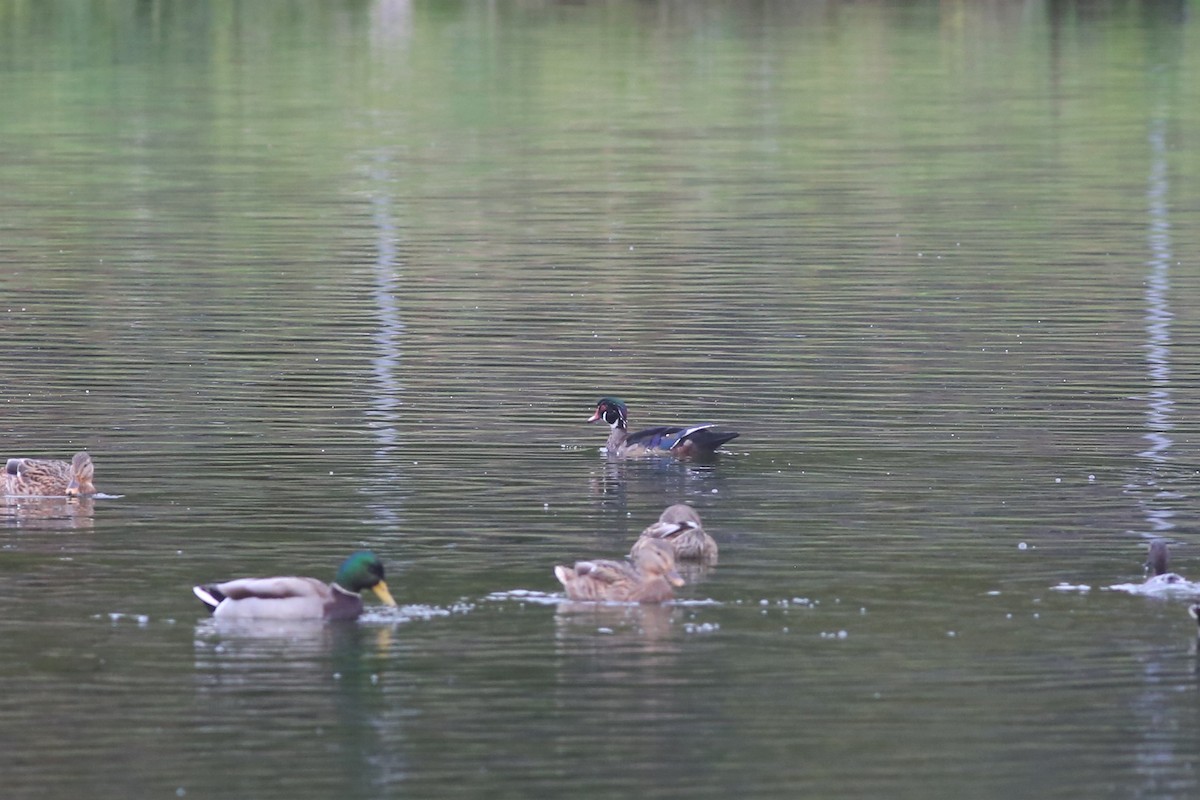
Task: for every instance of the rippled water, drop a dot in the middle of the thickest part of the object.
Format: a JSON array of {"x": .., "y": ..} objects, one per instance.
[{"x": 309, "y": 277}]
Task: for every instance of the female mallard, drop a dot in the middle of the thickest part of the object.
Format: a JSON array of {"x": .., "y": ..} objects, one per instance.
[
  {"x": 697, "y": 441},
  {"x": 299, "y": 598},
  {"x": 648, "y": 578},
  {"x": 34, "y": 476},
  {"x": 680, "y": 527}
]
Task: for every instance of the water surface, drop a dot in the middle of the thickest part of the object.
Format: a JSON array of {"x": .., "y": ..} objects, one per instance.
[{"x": 310, "y": 277}]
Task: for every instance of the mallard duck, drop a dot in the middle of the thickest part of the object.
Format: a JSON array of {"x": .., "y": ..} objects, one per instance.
[
  {"x": 680, "y": 442},
  {"x": 299, "y": 598},
  {"x": 35, "y": 476},
  {"x": 648, "y": 578},
  {"x": 680, "y": 527}
]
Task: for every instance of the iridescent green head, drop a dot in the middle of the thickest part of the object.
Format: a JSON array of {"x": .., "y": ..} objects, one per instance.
[
  {"x": 612, "y": 411},
  {"x": 363, "y": 570}
]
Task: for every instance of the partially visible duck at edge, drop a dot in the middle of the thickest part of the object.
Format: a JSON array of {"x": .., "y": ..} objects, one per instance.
[
  {"x": 1158, "y": 564},
  {"x": 679, "y": 526},
  {"x": 294, "y": 598},
  {"x": 30, "y": 477},
  {"x": 680, "y": 442},
  {"x": 647, "y": 578}
]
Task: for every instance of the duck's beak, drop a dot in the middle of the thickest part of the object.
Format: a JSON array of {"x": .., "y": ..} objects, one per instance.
[
  {"x": 595, "y": 417},
  {"x": 381, "y": 591},
  {"x": 674, "y": 578}
]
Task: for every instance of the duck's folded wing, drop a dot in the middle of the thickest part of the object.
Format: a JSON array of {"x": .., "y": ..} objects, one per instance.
[
  {"x": 272, "y": 588},
  {"x": 604, "y": 571},
  {"x": 38, "y": 469},
  {"x": 663, "y": 437},
  {"x": 668, "y": 530}
]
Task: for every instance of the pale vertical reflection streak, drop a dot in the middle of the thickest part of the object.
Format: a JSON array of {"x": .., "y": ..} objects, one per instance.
[
  {"x": 1160, "y": 405},
  {"x": 384, "y": 416},
  {"x": 1155, "y": 710}
]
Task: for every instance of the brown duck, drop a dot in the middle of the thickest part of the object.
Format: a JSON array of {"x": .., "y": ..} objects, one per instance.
[
  {"x": 679, "y": 526},
  {"x": 647, "y": 578},
  {"x": 34, "y": 476}
]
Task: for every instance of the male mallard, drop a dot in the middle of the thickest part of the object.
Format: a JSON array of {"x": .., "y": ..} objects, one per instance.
[
  {"x": 299, "y": 598},
  {"x": 680, "y": 527},
  {"x": 648, "y": 578},
  {"x": 698, "y": 440},
  {"x": 35, "y": 476}
]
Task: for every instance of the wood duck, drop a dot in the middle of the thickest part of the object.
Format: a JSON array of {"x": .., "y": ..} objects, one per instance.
[
  {"x": 647, "y": 578},
  {"x": 696, "y": 441},
  {"x": 679, "y": 526},
  {"x": 295, "y": 598},
  {"x": 42, "y": 477}
]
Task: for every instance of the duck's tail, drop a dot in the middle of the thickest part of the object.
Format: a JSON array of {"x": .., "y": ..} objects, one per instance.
[{"x": 209, "y": 595}]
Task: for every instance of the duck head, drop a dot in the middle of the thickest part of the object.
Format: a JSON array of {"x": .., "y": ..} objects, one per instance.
[
  {"x": 82, "y": 472},
  {"x": 363, "y": 570},
  {"x": 657, "y": 559},
  {"x": 612, "y": 411}
]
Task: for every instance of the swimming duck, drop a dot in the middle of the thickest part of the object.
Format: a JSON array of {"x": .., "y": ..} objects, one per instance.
[
  {"x": 34, "y": 476},
  {"x": 299, "y": 598},
  {"x": 648, "y": 578},
  {"x": 680, "y": 527},
  {"x": 1158, "y": 563},
  {"x": 698, "y": 440}
]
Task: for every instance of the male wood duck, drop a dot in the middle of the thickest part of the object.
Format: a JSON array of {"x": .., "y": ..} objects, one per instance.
[
  {"x": 299, "y": 598},
  {"x": 696, "y": 441},
  {"x": 679, "y": 526},
  {"x": 42, "y": 477},
  {"x": 647, "y": 578}
]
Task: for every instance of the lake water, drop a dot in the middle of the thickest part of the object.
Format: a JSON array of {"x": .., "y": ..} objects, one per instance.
[{"x": 307, "y": 277}]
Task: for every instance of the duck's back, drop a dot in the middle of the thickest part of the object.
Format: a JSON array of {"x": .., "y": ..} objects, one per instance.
[
  {"x": 283, "y": 598},
  {"x": 36, "y": 476}
]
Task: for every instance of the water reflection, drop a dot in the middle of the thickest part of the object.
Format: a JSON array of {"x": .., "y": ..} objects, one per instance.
[
  {"x": 325, "y": 673},
  {"x": 1155, "y": 707},
  {"x": 646, "y": 626},
  {"x": 51, "y": 513},
  {"x": 384, "y": 416},
  {"x": 242, "y": 649},
  {"x": 1158, "y": 317},
  {"x": 1155, "y": 712},
  {"x": 385, "y": 284},
  {"x": 619, "y": 484}
]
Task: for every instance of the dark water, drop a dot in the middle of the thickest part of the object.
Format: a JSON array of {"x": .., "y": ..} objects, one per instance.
[{"x": 306, "y": 277}]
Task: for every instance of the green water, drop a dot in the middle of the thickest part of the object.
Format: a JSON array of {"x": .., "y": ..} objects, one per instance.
[{"x": 306, "y": 277}]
